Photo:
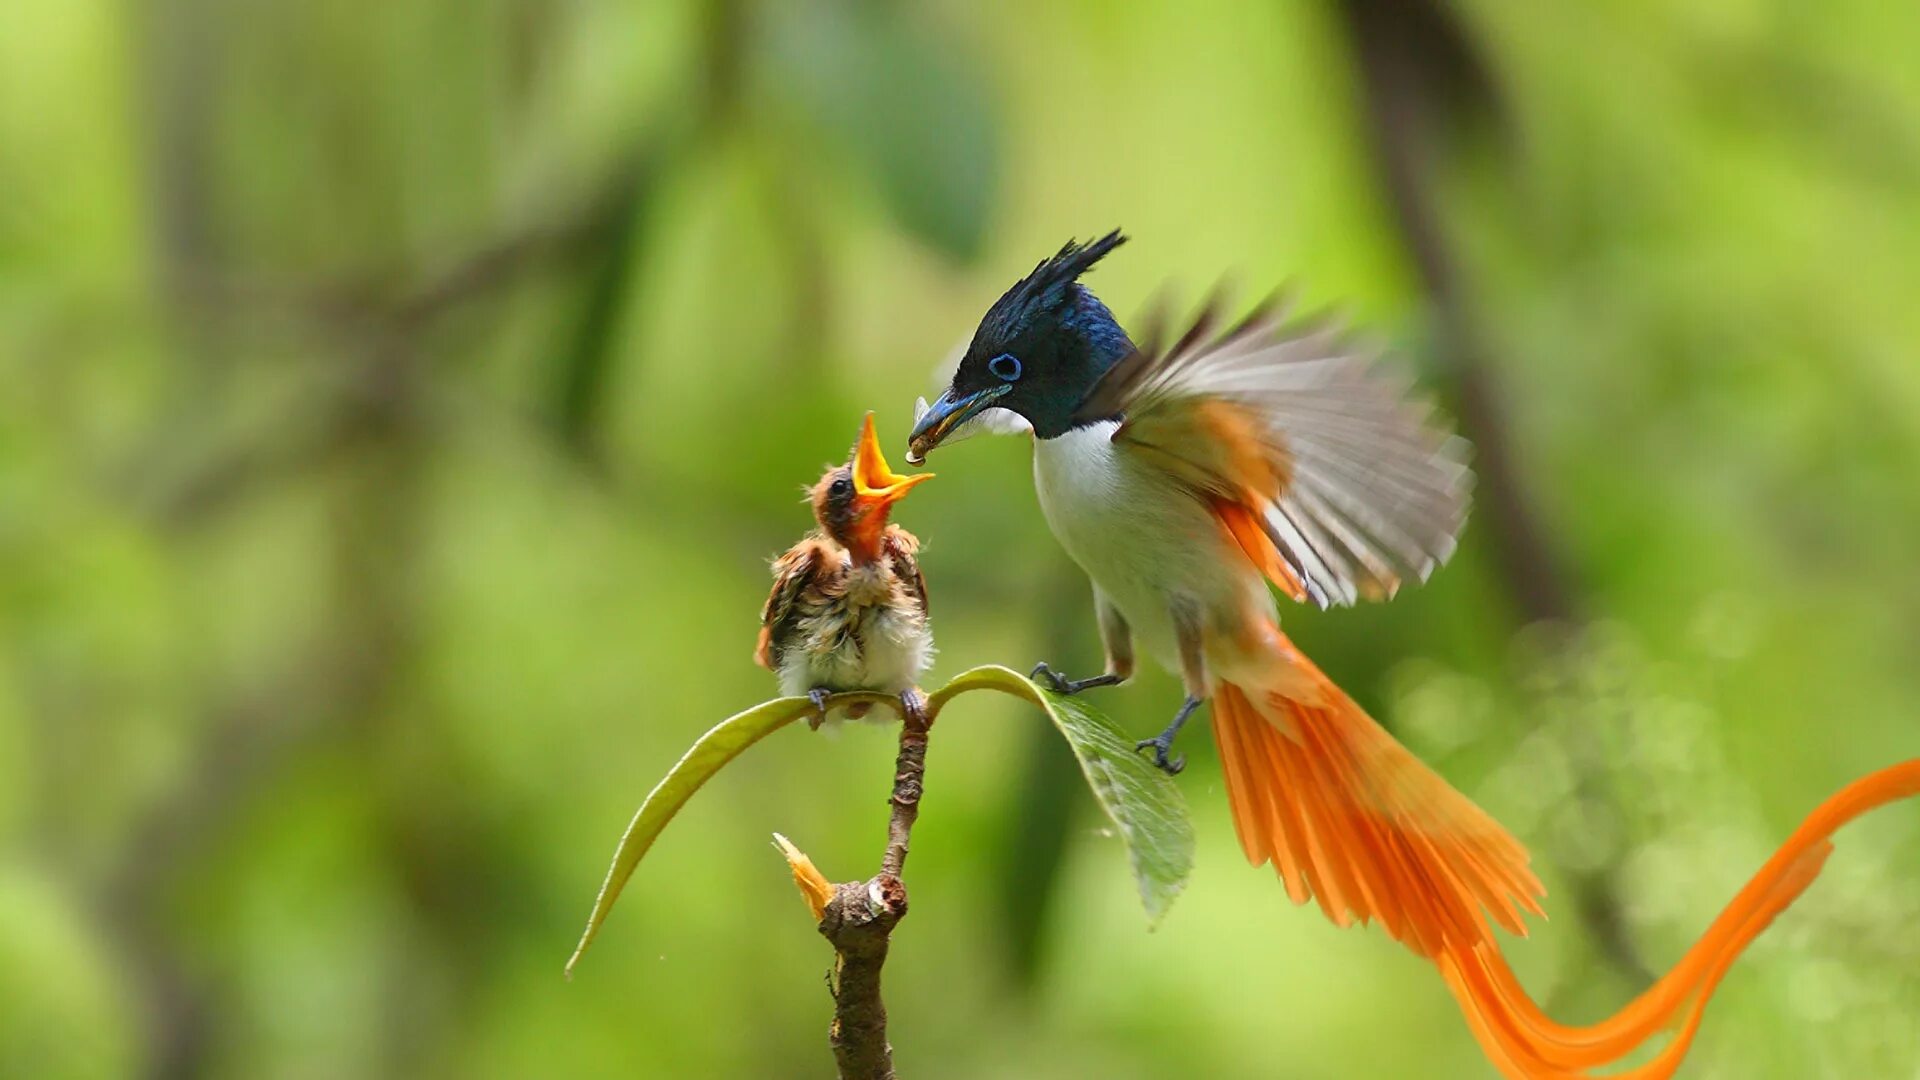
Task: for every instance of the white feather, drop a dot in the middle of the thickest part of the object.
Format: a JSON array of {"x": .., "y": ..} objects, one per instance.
[
  {"x": 1145, "y": 541},
  {"x": 886, "y": 651}
]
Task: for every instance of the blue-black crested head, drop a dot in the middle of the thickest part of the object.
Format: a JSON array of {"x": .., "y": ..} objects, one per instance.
[
  {"x": 1051, "y": 306},
  {"x": 1038, "y": 350}
]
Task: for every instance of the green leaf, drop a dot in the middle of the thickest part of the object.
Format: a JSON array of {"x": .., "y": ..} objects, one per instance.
[
  {"x": 1141, "y": 800},
  {"x": 1144, "y": 803},
  {"x": 901, "y": 100},
  {"x": 715, "y": 749}
]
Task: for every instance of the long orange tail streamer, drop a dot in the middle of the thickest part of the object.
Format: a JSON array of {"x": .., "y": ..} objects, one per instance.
[{"x": 1352, "y": 819}]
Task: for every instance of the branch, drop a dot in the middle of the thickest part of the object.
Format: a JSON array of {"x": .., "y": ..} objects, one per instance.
[
  {"x": 859, "y": 923},
  {"x": 860, "y": 918},
  {"x": 908, "y": 769}
]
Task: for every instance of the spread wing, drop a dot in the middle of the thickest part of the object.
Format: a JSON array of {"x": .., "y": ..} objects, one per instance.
[
  {"x": 1331, "y": 478},
  {"x": 902, "y": 546},
  {"x": 793, "y": 574}
]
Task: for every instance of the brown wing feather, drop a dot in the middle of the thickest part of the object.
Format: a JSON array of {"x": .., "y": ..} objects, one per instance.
[
  {"x": 793, "y": 572},
  {"x": 902, "y": 547}
]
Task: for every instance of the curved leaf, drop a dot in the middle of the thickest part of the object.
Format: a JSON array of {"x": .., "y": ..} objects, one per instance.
[
  {"x": 1143, "y": 802},
  {"x": 714, "y": 749}
]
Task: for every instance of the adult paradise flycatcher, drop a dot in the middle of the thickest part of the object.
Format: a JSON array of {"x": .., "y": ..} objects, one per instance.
[
  {"x": 848, "y": 609},
  {"x": 1184, "y": 479}
]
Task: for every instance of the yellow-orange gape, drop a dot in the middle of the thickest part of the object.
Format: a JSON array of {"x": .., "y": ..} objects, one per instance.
[{"x": 1184, "y": 479}]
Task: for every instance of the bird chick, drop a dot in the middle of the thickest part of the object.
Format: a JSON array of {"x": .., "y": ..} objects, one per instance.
[{"x": 848, "y": 609}]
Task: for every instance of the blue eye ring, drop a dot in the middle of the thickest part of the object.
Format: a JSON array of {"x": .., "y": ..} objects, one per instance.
[{"x": 1005, "y": 367}]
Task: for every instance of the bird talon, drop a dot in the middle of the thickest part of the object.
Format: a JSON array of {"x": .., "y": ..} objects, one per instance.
[
  {"x": 1160, "y": 746},
  {"x": 1055, "y": 681},
  {"x": 1060, "y": 684},
  {"x": 818, "y": 695}
]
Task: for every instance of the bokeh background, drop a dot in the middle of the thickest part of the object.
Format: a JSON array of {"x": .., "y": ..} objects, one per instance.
[{"x": 399, "y": 404}]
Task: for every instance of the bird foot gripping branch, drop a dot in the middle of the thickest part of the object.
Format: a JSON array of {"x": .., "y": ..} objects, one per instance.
[{"x": 1060, "y": 684}]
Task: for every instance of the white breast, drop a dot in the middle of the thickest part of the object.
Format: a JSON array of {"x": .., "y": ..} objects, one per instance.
[
  {"x": 1143, "y": 539},
  {"x": 861, "y": 643}
]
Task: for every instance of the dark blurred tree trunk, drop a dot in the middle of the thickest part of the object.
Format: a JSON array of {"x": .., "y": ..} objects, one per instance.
[
  {"x": 1429, "y": 96},
  {"x": 585, "y": 364},
  {"x": 588, "y": 363}
]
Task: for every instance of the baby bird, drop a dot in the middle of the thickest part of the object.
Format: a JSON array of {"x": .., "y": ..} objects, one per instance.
[{"x": 848, "y": 609}]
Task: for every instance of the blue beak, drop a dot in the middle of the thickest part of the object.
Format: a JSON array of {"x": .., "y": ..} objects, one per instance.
[{"x": 946, "y": 414}]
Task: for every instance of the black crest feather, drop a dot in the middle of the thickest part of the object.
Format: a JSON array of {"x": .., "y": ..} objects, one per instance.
[{"x": 1050, "y": 284}]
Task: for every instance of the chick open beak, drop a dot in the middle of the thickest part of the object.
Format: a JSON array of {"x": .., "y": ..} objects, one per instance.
[{"x": 873, "y": 479}]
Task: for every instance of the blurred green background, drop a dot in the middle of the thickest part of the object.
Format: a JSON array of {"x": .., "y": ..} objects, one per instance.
[{"x": 399, "y": 404}]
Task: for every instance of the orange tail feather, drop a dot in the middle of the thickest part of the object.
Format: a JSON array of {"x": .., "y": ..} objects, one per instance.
[
  {"x": 1352, "y": 819},
  {"x": 1527, "y": 1044}
]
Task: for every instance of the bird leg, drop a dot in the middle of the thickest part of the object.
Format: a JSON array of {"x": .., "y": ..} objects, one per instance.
[
  {"x": 1163, "y": 742},
  {"x": 1115, "y": 635},
  {"x": 1193, "y": 670},
  {"x": 818, "y": 695},
  {"x": 1060, "y": 684}
]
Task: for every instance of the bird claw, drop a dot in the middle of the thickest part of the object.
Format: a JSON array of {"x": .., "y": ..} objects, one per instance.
[
  {"x": 1161, "y": 744},
  {"x": 1055, "y": 681},
  {"x": 818, "y": 695},
  {"x": 1060, "y": 684}
]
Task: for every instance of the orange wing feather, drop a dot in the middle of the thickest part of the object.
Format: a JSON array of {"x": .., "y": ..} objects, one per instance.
[{"x": 1244, "y": 526}]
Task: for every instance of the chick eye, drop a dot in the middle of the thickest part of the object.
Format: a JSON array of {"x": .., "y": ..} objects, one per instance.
[
  {"x": 842, "y": 485},
  {"x": 1005, "y": 367}
]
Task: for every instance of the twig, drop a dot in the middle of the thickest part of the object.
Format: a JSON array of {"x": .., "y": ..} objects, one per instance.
[
  {"x": 908, "y": 770},
  {"x": 860, "y": 918}
]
